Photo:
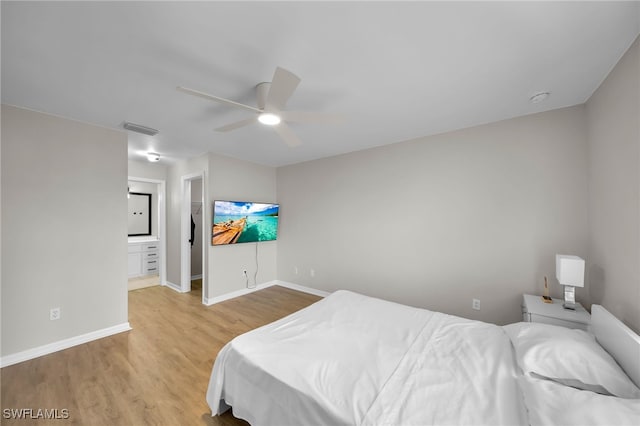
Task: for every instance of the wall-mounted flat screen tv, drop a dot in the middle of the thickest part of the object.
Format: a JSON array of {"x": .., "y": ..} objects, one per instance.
[{"x": 244, "y": 222}]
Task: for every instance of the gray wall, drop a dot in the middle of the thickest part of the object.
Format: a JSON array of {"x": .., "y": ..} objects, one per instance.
[
  {"x": 435, "y": 222},
  {"x": 147, "y": 170},
  {"x": 64, "y": 228},
  {"x": 613, "y": 117},
  {"x": 235, "y": 180}
]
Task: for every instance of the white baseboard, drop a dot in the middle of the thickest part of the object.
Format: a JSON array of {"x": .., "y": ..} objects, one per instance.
[
  {"x": 39, "y": 351},
  {"x": 173, "y": 286},
  {"x": 196, "y": 277},
  {"x": 213, "y": 300},
  {"x": 302, "y": 288}
]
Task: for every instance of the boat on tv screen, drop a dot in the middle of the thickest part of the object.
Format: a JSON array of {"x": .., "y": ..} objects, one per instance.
[{"x": 244, "y": 222}]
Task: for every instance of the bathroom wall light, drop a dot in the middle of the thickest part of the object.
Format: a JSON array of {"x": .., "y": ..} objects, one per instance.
[
  {"x": 153, "y": 157},
  {"x": 539, "y": 97}
]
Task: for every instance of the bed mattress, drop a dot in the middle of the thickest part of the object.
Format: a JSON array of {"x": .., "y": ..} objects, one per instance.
[{"x": 351, "y": 359}]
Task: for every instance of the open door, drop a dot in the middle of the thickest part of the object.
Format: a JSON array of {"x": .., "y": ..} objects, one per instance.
[{"x": 193, "y": 194}]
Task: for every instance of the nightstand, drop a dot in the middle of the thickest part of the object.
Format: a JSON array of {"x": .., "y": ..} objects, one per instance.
[{"x": 535, "y": 310}]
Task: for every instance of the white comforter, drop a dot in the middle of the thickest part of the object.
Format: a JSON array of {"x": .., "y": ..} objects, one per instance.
[{"x": 351, "y": 359}]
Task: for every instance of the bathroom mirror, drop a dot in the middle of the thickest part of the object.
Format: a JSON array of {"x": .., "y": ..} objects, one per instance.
[{"x": 139, "y": 214}]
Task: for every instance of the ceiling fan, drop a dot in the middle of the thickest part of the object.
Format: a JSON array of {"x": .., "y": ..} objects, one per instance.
[{"x": 271, "y": 100}]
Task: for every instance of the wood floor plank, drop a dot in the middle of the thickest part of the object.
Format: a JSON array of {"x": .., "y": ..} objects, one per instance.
[{"x": 155, "y": 374}]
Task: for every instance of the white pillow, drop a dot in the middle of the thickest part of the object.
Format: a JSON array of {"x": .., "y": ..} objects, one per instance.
[
  {"x": 568, "y": 356},
  {"x": 549, "y": 403}
]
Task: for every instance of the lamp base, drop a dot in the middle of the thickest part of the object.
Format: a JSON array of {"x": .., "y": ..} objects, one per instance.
[{"x": 569, "y": 297}]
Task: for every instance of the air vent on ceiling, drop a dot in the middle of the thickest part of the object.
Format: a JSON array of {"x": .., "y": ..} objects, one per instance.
[{"x": 140, "y": 129}]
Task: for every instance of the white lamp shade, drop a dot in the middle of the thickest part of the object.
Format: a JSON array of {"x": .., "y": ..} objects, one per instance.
[{"x": 570, "y": 270}]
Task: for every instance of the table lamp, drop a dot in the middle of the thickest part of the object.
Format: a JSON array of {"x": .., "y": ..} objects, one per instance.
[{"x": 570, "y": 274}]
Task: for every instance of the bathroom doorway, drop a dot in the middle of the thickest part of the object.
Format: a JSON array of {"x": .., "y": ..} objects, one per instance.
[{"x": 147, "y": 260}]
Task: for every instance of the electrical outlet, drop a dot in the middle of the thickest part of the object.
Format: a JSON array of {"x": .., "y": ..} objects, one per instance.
[
  {"x": 54, "y": 314},
  {"x": 312, "y": 273},
  {"x": 295, "y": 270},
  {"x": 476, "y": 304}
]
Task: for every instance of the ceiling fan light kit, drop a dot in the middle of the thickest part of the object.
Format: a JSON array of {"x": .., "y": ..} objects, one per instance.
[
  {"x": 269, "y": 119},
  {"x": 271, "y": 100}
]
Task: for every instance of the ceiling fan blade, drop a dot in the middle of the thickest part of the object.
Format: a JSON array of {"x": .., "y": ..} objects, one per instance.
[
  {"x": 283, "y": 85},
  {"x": 287, "y": 135},
  {"x": 216, "y": 98},
  {"x": 237, "y": 124},
  {"x": 311, "y": 117}
]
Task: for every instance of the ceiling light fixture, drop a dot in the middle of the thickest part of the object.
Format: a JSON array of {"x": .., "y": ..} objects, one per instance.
[
  {"x": 539, "y": 97},
  {"x": 269, "y": 119},
  {"x": 140, "y": 129},
  {"x": 153, "y": 157}
]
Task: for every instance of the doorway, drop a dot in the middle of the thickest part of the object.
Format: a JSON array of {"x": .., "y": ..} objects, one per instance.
[
  {"x": 193, "y": 246},
  {"x": 196, "y": 235},
  {"x": 147, "y": 250}
]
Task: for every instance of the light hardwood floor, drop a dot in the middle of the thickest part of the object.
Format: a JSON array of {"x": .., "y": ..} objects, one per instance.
[
  {"x": 155, "y": 374},
  {"x": 143, "y": 282}
]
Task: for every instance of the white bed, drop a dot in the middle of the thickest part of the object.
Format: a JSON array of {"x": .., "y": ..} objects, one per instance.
[{"x": 352, "y": 359}]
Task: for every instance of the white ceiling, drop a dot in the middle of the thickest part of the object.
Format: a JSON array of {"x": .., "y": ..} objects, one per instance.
[{"x": 396, "y": 71}]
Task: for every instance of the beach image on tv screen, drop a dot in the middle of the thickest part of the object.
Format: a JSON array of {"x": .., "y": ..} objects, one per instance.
[{"x": 244, "y": 222}]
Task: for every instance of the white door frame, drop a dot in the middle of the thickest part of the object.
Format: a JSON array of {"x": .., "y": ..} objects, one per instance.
[
  {"x": 162, "y": 222},
  {"x": 185, "y": 233}
]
